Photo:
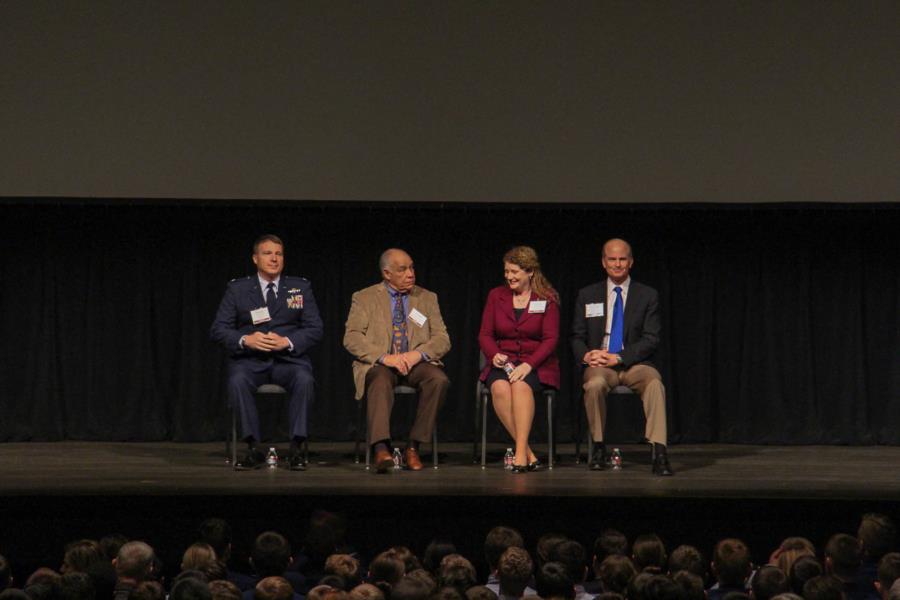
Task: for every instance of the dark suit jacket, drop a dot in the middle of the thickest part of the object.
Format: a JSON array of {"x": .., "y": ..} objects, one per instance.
[
  {"x": 531, "y": 339},
  {"x": 303, "y": 326},
  {"x": 641, "y": 328}
]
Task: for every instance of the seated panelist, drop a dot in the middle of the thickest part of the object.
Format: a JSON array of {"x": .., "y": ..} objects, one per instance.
[
  {"x": 518, "y": 337},
  {"x": 268, "y": 323}
]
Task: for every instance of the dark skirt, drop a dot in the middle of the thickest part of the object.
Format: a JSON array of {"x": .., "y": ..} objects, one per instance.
[{"x": 531, "y": 379}]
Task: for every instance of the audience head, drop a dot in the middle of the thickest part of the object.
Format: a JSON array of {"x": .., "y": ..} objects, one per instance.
[
  {"x": 43, "y": 575},
  {"x": 545, "y": 544},
  {"x": 876, "y": 536},
  {"x": 323, "y": 537},
  {"x": 273, "y": 587},
  {"x": 571, "y": 554},
  {"x": 76, "y": 585},
  {"x": 386, "y": 568},
  {"x": 789, "y": 551},
  {"x": 843, "y": 556},
  {"x": 637, "y": 585},
  {"x": 514, "y": 571},
  {"x": 823, "y": 587},
  {"x": 271, "y": 554},
  {"x": 148, "y": 590},
  {"x": 615, "y": 573},
  {"x": 344, "y": 566},
  {"x": 735, "y": 595},
  {"x": 366, "y": 591},
  {"x": 103, "y": 576},
  {"x": 457, "y": 572},
  {"x": 660, "y": 587},
  {"x": 894, "y": 592},
  {"x": 731, "y": 562},
  {"x": 497, "y": 541},
  {"x": 221, "y": 589},
  {"x": 448, "y": 593},
  {"x": 692, "y": 585},
  {"x": 198, "y": 556},
  {"x": 888, "y": 573},
  {"x": 425, "y": 577},
  {"x": 480, "y": 592},
  {"x": 688, "y": 558},
  {"x": 6, "y": 577},
  {"x": 769, "y": 581},
  {"x": 135, "y": 561},
  {"x": 608, "y": 543},
  {"x": 410, "y": 560},
  {"x": 553, "y": 581},
  {"x": 216, "y": 533},
  {"x": 804, "y": 569},
  {"x": 435, "y": 552},
  {"x": 649, "y": 553},
  {"x": 14, "y": 594},
  {"x": 788, "y": 596},
  {"x": 80, "y": 555},
  {"x": 189, "y": 588},
  {"x": 410, "y": 588},
  {"x": 609, "y": 596}
]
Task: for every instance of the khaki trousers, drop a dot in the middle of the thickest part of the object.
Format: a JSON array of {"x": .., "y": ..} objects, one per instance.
[
  {"x": 429, "y": 380},
  {"x": 644, "y": 380}
]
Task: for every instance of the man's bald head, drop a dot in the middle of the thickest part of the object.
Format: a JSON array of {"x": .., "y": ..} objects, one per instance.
[{"x": 617, "y": 244}]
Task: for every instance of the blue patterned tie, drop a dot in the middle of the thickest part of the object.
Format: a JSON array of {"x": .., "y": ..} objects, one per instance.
[
  {"x": 399, "y": 343},
  {"x": 617, "y": 327}
]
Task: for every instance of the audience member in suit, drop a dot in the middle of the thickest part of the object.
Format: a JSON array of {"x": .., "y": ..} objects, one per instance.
[
  {"x": 271, "y": 557},
  {"x": 396, "y": 335},
  {"x": 731, "y": 567},
  {"x": 268, "y": 323},
  {"x": 518, "y": 336},
  {"x": 615, "y": 333}
]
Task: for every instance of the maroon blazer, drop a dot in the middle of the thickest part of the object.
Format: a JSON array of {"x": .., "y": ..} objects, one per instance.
[{"x": 531, "y": 339}]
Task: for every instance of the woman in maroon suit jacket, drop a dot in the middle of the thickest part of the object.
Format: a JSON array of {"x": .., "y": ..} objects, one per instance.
[{"x": 518, "y": 336}]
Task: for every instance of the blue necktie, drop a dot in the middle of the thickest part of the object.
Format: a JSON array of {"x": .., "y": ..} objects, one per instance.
[
  {"x": 270, "y": 297},
  {"x": 616, "y": 329}
]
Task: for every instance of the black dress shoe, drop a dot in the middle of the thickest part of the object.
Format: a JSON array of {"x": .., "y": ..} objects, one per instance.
[
  {"x": 661, "y": 466},
  {"x": 296, "y": 462},
  {"x": 599, "y": 460},
  {"x": 520, "y": 469},
  {"x": 253, "y": 459},
  {"x": 534, "y": 465}
]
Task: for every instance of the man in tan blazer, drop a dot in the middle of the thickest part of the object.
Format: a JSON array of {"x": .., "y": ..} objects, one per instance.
[{"x": 396, "y": 334}]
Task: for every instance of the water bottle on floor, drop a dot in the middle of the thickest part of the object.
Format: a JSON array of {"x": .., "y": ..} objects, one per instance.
[
  {"x": 398, "y": 460},
  {"x": 272, "y": 458},
  {"x": 508, "y": 459},
  {"x": 616, "y": 459}
]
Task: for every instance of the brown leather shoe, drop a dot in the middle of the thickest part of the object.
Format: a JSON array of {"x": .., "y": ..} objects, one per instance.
[
  {"x": 383, "y": 461},
  {"x": 411, "y": 459}
]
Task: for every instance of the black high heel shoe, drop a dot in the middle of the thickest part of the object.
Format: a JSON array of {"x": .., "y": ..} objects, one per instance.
[
  {"x": 520, "y": 468},
  {"x": 534, "y": 466}
]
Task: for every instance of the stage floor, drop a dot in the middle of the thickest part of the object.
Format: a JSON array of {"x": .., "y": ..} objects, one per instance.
[{"x": 702, "y": 471}]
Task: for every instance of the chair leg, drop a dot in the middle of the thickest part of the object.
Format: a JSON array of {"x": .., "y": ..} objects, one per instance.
[
  {"x": 550, "y": 429},
  {"x": 590, "y": 447},
  {"x": 484, "y": 403},
  {"x": 233, "y": 438},
  {"x": 306, "y": 451},
  {"x": 361, "y": 426},
  {"x": 434, "y": 446},
  {"x": 579, "y": 427},
  {"x": 477, "y": 421}
]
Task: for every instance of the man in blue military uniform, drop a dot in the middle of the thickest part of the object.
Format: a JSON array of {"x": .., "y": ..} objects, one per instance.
[{"x": 268, "y": 323}]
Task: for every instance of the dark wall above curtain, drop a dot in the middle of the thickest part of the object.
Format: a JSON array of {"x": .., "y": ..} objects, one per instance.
[{"x": 781, "y": 323}]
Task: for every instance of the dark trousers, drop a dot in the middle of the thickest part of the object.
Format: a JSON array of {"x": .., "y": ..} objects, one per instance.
[
  {"x": 244, "y": 376},
  {"x": 429, "y": 380}
]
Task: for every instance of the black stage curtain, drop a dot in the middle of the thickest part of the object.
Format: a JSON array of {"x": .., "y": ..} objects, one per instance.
[{"x": 781, "y": 323}]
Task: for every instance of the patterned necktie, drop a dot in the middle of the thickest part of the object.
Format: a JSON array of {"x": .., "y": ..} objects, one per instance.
[
  {"x": 270, "y": 296},
  {"x": 617, "y": 327},
  {"x": 399, "y": 341}
]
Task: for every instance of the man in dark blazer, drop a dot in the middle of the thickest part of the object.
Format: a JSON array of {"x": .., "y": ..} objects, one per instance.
[
  {"x": 615, "y": 333},
  {"x": 268, "y": 323}
]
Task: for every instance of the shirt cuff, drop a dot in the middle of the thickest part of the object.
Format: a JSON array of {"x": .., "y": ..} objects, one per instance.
[{"x": 425, "y": 357}]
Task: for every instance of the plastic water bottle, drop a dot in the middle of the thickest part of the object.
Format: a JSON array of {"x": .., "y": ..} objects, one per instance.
[
  {"x": 272, "y": 458},
  {"x": 398, "y": 460},
  {"x": 508, "y": 459},
  {"x": 508, "y": 368},
  {"x": 616, "y": 459}
]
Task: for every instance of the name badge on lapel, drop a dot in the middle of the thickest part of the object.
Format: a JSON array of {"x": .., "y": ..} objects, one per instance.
[
  {"x": 295, "y": 301},
  {"x": 260, "y": 315},
  {"x": 416, "y": 317},
  {"x": 594, "y": 309},
  {"x": 537, "y": 306}
]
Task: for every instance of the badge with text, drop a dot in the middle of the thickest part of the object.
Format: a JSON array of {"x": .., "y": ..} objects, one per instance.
[
  {"x": 260, "y": 315},
  {"x": 295, "y": 301},
  {"x": 416, "y": 317},
  {"x": 537, "y": 306},
  {"x": 594, "y": 309}
]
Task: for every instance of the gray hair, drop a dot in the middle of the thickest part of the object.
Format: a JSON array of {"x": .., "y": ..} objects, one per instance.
[{"x": 134, "y": 560}]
